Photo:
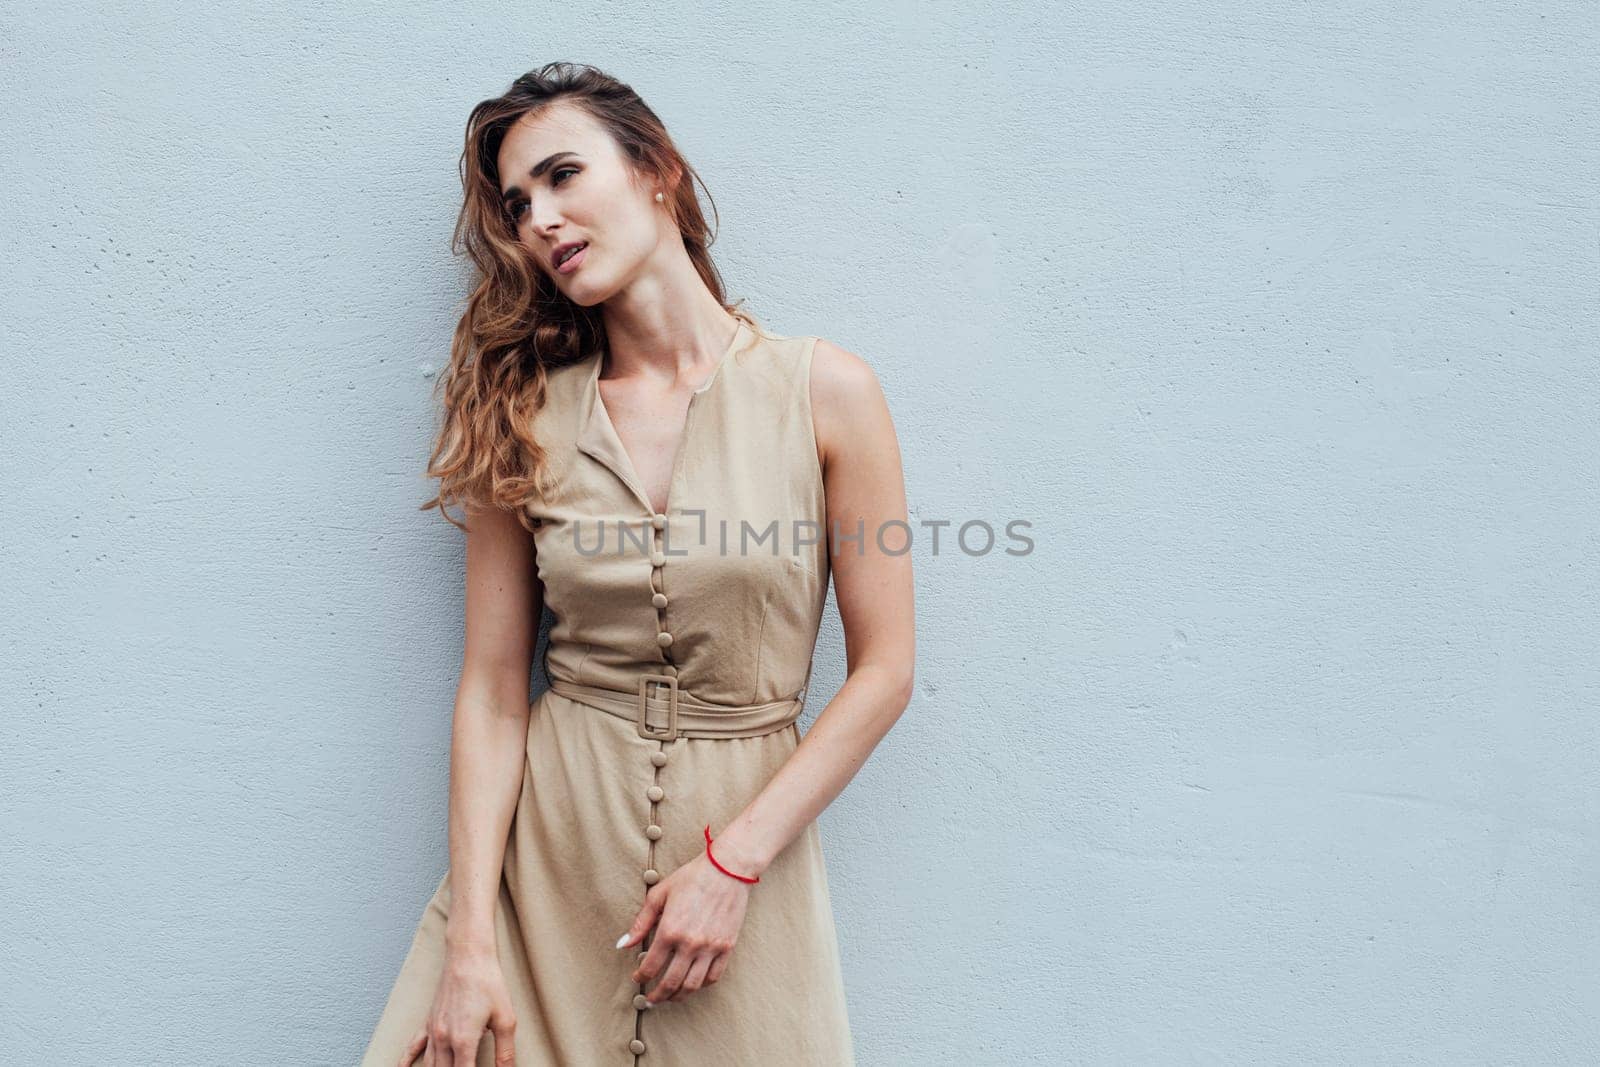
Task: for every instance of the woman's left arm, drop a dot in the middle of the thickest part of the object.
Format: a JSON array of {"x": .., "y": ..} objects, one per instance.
[{"x": 866, "y": 499}]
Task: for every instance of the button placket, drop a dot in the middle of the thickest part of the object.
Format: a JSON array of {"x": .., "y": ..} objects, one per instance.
[{"x": 655, "y": 794}]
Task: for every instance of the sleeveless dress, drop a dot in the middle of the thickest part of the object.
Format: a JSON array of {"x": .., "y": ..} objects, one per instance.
[{"x": 713, "y": 605}]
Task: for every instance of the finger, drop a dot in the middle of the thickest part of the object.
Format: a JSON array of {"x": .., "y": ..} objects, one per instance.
[
  {"x": 668, "y": 986},
  {"x": 718, "y": 965},
  {"x": 695, "y": 977},
  {"x": 439, "y": 1045},
  {"x": 655, "y": 960},
  {"x": 504, "y": 1028},
  {"x": 413, "y": 1050},
  {"x": 642, "y": 922}
]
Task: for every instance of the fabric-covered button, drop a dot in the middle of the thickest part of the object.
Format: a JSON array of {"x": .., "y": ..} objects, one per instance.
[
  {"x": 655, "y": 792},
  {"x": 636, "y": 1046},
  {"x": 659, "y": 759},
  {"x": 642, "y": 954},
  {"x": 640, "y": 1001},
  {"x": 651, "y": 876},
  {"x": 653, "y": 832},
  {"x": 671, "y": 668},
  {"x": 659, "y": 600},
  {"x": 657, "y": 559},
  {"x": 663, "y": 639},
  {"x": 659, "y": 521}
]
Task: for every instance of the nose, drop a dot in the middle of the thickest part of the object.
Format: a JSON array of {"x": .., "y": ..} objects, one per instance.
[{"x": 543, "y": 217}]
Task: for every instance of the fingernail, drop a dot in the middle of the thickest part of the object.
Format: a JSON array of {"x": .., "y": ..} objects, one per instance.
[
  {"x": 649, "y": 1004},
  {"x": 623, "y": 940}
]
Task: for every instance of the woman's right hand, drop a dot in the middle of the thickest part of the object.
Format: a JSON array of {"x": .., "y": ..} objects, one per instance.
[{"x": 471, "y": 997}]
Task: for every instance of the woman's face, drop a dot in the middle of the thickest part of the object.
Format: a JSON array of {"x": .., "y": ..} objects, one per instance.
[{"x": 564, "y": 181}]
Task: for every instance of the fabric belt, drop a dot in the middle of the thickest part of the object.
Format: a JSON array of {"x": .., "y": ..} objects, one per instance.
[{"x": 684, "y": 717}]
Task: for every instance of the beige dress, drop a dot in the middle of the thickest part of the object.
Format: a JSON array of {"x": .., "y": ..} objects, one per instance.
[{"x": 720, "y": 598}]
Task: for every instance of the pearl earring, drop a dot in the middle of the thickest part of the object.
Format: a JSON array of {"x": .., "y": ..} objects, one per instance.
[{"x": 660, "y": 199}]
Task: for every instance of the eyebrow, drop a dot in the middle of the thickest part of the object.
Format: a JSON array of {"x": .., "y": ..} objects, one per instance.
[{"x": 538, "y": 168}]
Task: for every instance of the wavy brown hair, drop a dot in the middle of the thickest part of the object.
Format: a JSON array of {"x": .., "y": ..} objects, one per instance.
[{"x": 517, "y": 325}]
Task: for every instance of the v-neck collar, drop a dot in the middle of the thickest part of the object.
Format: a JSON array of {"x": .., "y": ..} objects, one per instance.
[{"x": 598, "y": 436}]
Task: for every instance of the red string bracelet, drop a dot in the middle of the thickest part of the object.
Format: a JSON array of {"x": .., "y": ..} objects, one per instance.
[{"x": 720, "y": 867}]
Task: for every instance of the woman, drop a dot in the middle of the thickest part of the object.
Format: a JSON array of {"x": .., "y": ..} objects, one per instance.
[{"x": 659, "y": 469}]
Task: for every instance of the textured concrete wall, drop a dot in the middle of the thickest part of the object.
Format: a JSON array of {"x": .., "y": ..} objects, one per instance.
[{"x": 1280, "y": 326}]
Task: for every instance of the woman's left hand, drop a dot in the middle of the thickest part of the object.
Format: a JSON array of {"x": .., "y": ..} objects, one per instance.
[{"x": 701, "y": 911}]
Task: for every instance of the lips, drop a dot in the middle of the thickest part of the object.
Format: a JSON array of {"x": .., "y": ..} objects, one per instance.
[{"x": 566, "y": 257}]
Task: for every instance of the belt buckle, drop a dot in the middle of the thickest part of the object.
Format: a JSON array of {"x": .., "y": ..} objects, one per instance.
[{"x": 646, "y": 731}]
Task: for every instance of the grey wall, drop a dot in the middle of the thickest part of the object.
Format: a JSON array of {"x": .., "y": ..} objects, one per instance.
[{"x": 1278, "y": 325}]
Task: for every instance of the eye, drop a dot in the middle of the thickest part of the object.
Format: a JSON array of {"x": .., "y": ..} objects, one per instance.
[{"x": 515, "y": 207}]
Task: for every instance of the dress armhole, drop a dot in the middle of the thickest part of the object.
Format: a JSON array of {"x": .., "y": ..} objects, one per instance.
[{"x": 807, "y": 362}]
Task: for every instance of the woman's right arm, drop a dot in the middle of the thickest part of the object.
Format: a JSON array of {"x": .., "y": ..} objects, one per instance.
[
  {"x": 488, "y": 745},
  {"x": 488, "y": 742}
]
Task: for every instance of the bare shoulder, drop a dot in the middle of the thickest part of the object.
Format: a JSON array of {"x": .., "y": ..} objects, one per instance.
[
  {"x": 847, "y": 401},
  {"x": 839, "y": 376}
]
